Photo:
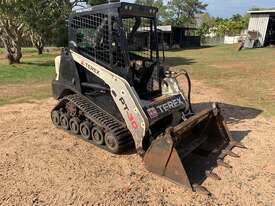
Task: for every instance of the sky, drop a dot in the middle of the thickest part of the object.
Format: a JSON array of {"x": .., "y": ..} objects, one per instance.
[{"x": 226, "y": 8}]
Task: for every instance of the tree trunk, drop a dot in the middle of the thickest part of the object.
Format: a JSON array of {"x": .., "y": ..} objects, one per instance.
[
  {"x": 37, "y": 42},
  {"x": 18, "y": 56},
  {"x": 11, "y": 35},
  {"x": 12, "y": 54},
  {"x": 14, "y": 57},
  {"x": 40, "y": 50},
  {"x": 10, "y": 58}
]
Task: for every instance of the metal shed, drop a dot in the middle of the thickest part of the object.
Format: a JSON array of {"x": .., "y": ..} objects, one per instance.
[
  {"x": 180, "y": 36},
  {"x": 263, "y": 23},
  {"x": 174, "y": 37}
]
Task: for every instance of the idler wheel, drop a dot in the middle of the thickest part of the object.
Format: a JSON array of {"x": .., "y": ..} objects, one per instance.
[
  {"x": 74, "y": 125},
  {"x": 64, "y": 121},
  {"x": 97, "y": 135},
  {"x": 111, "y": 142},
  {"x": 55, "y": 116},
  {"x": 85, "y": 130}
]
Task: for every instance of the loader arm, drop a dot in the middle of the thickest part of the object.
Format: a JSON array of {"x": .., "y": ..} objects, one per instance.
[{"x": 125, "y": 98}]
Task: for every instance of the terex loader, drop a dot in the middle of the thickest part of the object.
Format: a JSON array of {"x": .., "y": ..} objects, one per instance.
[{"x": 114, "y": 92}]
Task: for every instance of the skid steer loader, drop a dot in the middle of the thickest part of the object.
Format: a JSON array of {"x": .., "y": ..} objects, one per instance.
[{"x": 114, "y": 92}]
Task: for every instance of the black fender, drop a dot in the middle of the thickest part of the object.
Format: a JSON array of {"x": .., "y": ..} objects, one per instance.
[{"x": 68, "y": 81}]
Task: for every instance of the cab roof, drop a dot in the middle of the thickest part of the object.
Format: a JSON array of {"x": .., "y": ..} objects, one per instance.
[{"x": 124, "y": 8}]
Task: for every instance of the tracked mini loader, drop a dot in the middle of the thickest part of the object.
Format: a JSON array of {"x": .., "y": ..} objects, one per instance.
[{"x": 114, "y": 92}]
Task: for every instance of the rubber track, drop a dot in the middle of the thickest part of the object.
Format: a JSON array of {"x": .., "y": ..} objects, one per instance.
[{"x": 101, "y": 118}]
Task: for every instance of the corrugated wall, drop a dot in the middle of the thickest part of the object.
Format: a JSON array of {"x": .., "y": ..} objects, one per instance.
[{"x": 259, "y": 22}]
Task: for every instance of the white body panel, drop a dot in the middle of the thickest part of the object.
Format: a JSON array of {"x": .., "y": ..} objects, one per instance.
[
  {"x": 124, "y": 96},
  {"x": 57, "y": 66}
]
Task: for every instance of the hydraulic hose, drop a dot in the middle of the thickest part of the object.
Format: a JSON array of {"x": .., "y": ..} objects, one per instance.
[{"x": 185, "y": 73}]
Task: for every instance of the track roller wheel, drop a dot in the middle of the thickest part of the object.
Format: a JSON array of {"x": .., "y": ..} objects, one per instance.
[
  {"x": 112, "y": 142},
  {"x": 55, "y": 115},
  {"x": 85, "y": 130},
  {"x": 64, "y": 121},
  {"x": 74, "y": 125},
  {"x": 97, "y": 135}
]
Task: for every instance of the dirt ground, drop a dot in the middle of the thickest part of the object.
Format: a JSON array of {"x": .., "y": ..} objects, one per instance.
[{"x": 41, "y": 165}]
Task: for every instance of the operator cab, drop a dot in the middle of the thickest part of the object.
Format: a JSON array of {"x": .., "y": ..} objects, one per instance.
[
  {"x": 123, "y": 38},
  {"x": 142, "y": 43}
]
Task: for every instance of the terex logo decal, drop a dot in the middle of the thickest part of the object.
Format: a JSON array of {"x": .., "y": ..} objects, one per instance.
[
  {"x": 88, "y": 66},
  {"x": 170, "y": 105},
  {"x": 130, "y": 116},
  {"x": 157, "y": 110}
]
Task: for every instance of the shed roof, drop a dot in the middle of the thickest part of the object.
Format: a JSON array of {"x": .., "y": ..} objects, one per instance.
[
  {"x": 167, "y": 28},
  {"x": 266, "y": 11}
]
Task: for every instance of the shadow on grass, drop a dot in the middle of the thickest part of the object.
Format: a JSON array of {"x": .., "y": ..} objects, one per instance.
[
  {"x": 190, "y": 48},
  {"x": 177, "y": 61},
  {"x": 46, "y": 63},
  {"x": 240, "y": 135},
  {"x": 233, "y": 114},
  {"x": 200, "y": 160}
]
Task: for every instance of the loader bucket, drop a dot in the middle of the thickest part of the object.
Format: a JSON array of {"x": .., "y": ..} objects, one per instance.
[{"x": 187, "y": 154}]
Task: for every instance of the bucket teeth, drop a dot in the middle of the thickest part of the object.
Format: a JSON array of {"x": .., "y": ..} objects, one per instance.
[
  {"x": 238, "y": 144},
  {"x": 232, "y": 154},
  {"x": 212, "y": 175},
  {"x": 223, "y": 164},
  {"x": 200, "y": 189}
]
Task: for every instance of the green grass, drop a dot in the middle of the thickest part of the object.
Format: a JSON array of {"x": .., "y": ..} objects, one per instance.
[
  {"x": 246, "y": 77},
  {"x": 29, "y": 50},
  {"x": 29, "y": 80}
]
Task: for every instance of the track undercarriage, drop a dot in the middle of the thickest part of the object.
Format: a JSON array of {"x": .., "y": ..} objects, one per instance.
[{"x": 82, "y": 117}]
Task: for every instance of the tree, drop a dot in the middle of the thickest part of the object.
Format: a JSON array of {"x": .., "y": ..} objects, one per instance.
[
  {"x": 236, "y": 17},
  {"x": 12, "y": 29},
  {"x": 232, "y": 26},
  {"x": 207, "y": 24},
  {"x": 182, "y": 12},
  {"x": 43, "y": 18},
  {"x": 96, "y": 2}
]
